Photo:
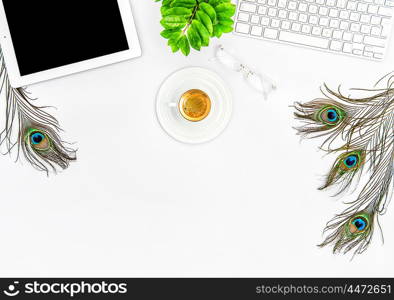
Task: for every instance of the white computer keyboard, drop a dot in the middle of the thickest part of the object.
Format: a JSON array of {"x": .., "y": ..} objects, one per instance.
[{"x": 358, "y": 28}]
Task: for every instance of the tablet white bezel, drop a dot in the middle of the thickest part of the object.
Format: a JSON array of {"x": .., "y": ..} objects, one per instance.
[{"x": 12, "y": 65}]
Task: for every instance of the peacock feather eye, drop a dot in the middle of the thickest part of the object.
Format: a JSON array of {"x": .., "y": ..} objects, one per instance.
[
  {"x": 39, "y": 141},
  {"x": 352, "y": 161},
  {"x": 358, "y": 224},
  {"x": 331, "y": 115}
]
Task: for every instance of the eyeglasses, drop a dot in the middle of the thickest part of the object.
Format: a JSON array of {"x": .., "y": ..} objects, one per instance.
[{"x": 260, "y": 82}]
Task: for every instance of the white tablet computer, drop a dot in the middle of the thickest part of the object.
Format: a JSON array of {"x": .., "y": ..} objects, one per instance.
[{"x": 45, "y": 39}]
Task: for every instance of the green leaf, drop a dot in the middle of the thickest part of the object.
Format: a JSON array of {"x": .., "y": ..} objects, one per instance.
[
  {"x": 202, "y": 31},
  {"x": 217, "y": 31},
  {"x": 163, "y": 9},
  {"x": 226, "y": 21},
  {"x": 174, "y": 39},
  {"x": 205, "y": 20},
  {"x": 194, "y": 38},
  {"x": 225, "y": 28},
  {"x": 184, "y": 3},
  {"x": 174, "y": 45},
  {"x": 166, "y": 33},
  {"x": 210, "y": 11},
  {"x": 184, "y": 45},
  {"x": 214, "y": 3},
  {"x": 176, "y": 36},
  {"x": 226, "y": 9},
  {"x": 178, "y": 11},
  {"x": 173, "y": 22}
]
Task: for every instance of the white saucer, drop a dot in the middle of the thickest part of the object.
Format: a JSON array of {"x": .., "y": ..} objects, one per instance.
[{"x": 194, "y": 132}]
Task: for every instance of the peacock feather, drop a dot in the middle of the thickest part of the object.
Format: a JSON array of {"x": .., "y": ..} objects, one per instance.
[
  {"x": 360, "y": 131},
  {"x": 30, "y": 129}
]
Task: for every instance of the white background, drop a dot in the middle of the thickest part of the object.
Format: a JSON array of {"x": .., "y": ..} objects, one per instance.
[{"x": 138, "y": 203}]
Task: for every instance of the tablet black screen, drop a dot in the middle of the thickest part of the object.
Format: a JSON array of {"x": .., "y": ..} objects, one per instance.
[{"x": 47, "y": 34}]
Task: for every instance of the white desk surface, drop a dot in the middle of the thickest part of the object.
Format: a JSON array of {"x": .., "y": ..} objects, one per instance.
[{"x": 138, "y": 203}]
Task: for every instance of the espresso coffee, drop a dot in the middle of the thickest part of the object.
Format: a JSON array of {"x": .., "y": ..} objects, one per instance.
[{"x": 195, "y": 105}]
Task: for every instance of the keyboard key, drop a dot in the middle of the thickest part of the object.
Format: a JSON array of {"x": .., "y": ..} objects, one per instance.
[
  {"x": 303, "y": 18},
  {"x": 306, "y": 29},
  {"x": 375, "y": 20},
  {"x": 344, "y": 25},
  {"x": 316, "y": 30},
  {"x": 344, "y": 14},
  {"x": 341, "y": 3},
  {"x": 357, "y": 38},
  {"x": 357, "y": 52},
  {"x": 366, "y": 29},
  {"x": 302, "y": 7},
  {"x": 355, "y": 27},
  {"x": 248, "y": 7},
  {"x": 282, "y": 14},
  {"x": 275, "y": 23},
  {"x": 323, "y": 11},
  {"x": 334, "y": 23},
  {"x": 336, "y": 45},
  {"x": 244, "y": 17},
  {"x": 374, "y": 49},
  {"x": 337, "y": 34},
  {"x": 296, "y": 27},
  {"x": 313, "y": 9},
  {"x": 351, "y": 5},
  {"x": 292, "y": 5},
  {"x": 256, "y": 30},
  {"x": 347, "y": 36},
  {"x": 324, "y": 21},
  {"x": 390, "y": 3},
  {"x": 373, "y": 9},
  {"x": 255, "y": 19},
  {"x": 365, "y": 19},
  {"x": 358, "y": 46},
  {"x": 370, "y": 40},
  {"x": 347, "y": 48},
  {"x": 270, "y": 33},
  {"x": 385, "y": 11},
  {"x": 362, "y": 7},
  {"x": 376, "y": 31},
  {"x": 303, "y": 39},
  {"x": 242, "y": 28},
  {"x": 354, "y": 16},
  {"x": 265, "y": 21},
  {"x": 327, "y": 32},
  {"x": 333, "y": 13},
  {"x": 313, "y": 20},
  {"x": 331, "y": 2},
  {"x": 272, "y": 12},
  {"x": 293, "y": 15},
  {"x": 285, "y": 25},
  {"x": 262, "y": 10},
  {"x": 282, "y": 3}
]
